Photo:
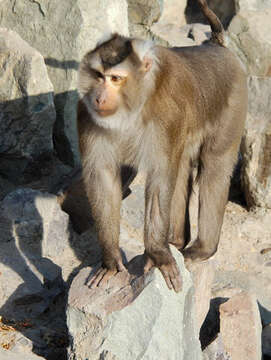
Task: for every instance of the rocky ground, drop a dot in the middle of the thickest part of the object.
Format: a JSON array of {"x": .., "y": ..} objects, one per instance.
[{"x": 242, "y": 262}]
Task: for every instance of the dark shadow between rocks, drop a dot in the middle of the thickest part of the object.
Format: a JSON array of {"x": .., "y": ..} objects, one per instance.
[
  {"x": 211, "y": 326},
  {"x": 224, "y": 9}
]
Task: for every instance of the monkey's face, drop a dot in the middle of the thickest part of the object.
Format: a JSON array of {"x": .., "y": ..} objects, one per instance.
[
  {"x": 112, "y": 79},
  {"x": 106, "y": 94}
]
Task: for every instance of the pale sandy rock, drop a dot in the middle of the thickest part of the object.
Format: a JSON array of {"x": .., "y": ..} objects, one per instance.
[
  {"x": 203, "y": 276},
  {"x": 173, "y": 12},
  {"x": 240, "y": 327},
  {"x": 133, "y": 317},
  {"x": 9, "y": 355}
]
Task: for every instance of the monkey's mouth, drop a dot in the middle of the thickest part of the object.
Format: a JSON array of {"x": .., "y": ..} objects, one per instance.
[{"x": 105, "y": 113}]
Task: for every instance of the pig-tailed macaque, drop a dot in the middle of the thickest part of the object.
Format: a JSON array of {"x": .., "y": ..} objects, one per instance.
[{"x": 160, "y": 110}]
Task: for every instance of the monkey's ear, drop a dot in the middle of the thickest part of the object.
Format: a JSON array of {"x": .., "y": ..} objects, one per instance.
[{"x": 147, "y": 63}]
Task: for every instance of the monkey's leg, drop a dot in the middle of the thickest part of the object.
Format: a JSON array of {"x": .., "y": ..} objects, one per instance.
[
  {"x": 104, "y": 192},
  {"x": 158, "y": 198},
  {"x": 179, "y": 233},
  {"x": 214, "y": 184}
]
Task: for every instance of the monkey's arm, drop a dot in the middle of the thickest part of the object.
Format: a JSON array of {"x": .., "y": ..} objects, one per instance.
[
  {"x": 157, "y": 215},
  {"x": 104, "y": 193}
]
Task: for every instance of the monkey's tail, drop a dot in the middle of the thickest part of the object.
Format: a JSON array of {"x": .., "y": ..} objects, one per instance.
[{"x": 215, "y": 23}]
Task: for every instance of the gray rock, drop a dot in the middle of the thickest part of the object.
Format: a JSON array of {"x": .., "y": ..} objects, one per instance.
[
  {"x": 157, "y": 324},
  {"x": 27, "y": 112},
  {"x": 250, "y": 38},
  {"x": 34, "y": 235},
  {"x": 256, "y": 146},
  {"x": 240, "y": 327},
  {"x": 63, "y": 31},
  {"x": 216, "y": 350}
]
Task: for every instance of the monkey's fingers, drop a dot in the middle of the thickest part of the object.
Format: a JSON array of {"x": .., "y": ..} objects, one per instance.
[
  {"x": 101, "y": 277},
  {"x": 172, "y": 276}
]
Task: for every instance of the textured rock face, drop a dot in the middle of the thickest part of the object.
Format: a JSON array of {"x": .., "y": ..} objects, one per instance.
[
  {"x": 134, "y": 317},
  {"x": 27, "y": 112},
  {"x": 240, "y": 327},
  {"x": 256, "y": 146},
  {"x": 63, "y": 31},
  {"x": 250, "y": 33}
]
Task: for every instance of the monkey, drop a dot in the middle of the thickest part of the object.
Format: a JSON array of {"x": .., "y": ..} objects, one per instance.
[{"x": 160, "y": 110}]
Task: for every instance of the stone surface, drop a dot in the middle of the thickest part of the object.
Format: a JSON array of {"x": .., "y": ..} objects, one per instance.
[
  {"x": 203, "y": 276},
  {"x": 27, "y": 112},
  {"x": 266, "y": 340},
  {"x": 173, "y": 12},
  {"x": 63, "y": 32},
  {"x": 216, "y": 351},
  {"x": 256, "y": 146},
  {"x": 250, "y": 38},
  {"x": 10, "y": 355},
  {"x": 158, "y": 323},
  {"x": 34, "y": 234},
  {"x": 187, "y": 35},
  {"x": 240, "y": 327}
]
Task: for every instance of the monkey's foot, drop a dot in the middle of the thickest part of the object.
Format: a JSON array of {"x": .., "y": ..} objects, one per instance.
[
  {"x": 196, "y": 253},
  {"x": 103, "y": 275},
  {"x": 170, "y": 272}
]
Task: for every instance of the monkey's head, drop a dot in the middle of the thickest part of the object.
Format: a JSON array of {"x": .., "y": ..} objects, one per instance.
[{"x": 114, "y": 79}]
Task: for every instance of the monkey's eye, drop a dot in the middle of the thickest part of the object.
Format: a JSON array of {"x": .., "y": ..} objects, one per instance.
[{"x": 116, "y": 78}]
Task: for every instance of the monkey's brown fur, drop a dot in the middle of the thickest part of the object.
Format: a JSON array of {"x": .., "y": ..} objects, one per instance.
[{"x": 174, "y": 107}]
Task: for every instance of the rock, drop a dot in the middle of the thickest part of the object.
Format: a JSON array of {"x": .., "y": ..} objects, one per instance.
[
  {"x": 173, "y": 12},
  {"x": 103, "y": 326},
  {"x": 187, "y": 35},
  {"x": 27, "y": 111},
  {"x": 34, "y": 241},
  {"x": 10, "y": 355},
  {"x": 252, "y": 4},
  {"x": 240, "y": 327},
  {"x": 256, "y": 145},
  {"x": 250, "y": 39},
  {"x": 266, "y": 340},
  {"x": 63, "y": 32},
  {"x": 203, "y": 276},
  {"x": 216, "y": 351}
]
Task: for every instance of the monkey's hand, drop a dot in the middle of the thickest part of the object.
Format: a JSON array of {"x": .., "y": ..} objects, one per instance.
[
  {"x": 170, "y": 272},
  {"x": 103, "y": 274}
]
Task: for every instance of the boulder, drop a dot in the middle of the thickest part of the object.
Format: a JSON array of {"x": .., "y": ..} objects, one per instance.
[
  {"x": 173, "y": 12},
  {"x": 256, "y": 145},
  {"x": 187, "y": 35},
  {"x": 63, "y": 31},
  {"x": 250, "y": 39},
  {"x": 240, "y": 327},
  {"x": 34, "y": 244},
  {"x": 27, "y": 109},
  {"x": 133, "y": 317}
]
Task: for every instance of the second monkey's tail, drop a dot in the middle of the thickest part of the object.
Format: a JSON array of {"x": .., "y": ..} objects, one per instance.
[{"x": 215, "y": 23}]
